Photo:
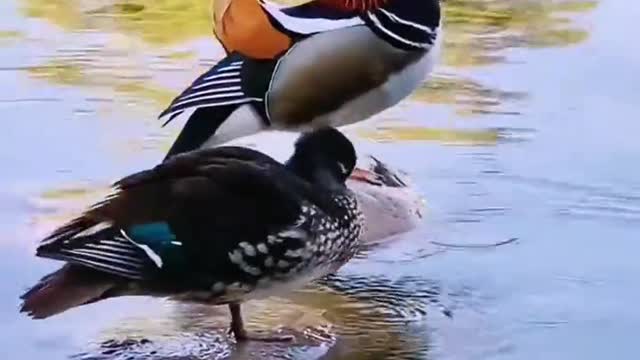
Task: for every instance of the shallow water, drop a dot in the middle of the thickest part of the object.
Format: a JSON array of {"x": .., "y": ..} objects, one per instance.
[{"x": 527, "y": 131}]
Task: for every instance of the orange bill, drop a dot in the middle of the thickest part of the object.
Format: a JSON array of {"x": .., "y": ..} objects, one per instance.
[{"x": 359, "y": 174}]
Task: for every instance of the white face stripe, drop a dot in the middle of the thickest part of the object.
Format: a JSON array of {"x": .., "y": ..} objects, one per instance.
[
  {"x": 379, "y": 25},
  {"x": 308, "y": 25},
  {"x": 397, "y": 19}
]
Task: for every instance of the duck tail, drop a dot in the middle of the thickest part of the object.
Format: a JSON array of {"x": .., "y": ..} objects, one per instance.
[{"x": 66, "y": 288}]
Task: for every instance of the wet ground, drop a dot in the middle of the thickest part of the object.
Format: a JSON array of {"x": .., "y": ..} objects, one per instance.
[{"x": 528, "y": 130}]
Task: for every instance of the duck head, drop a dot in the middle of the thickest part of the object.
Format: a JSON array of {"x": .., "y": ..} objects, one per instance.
[
  {"x": 388, "y": 199},
  {"x": 323, "y": 156}
]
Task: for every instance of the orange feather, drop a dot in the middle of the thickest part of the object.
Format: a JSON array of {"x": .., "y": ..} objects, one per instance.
[{"x": 242, "y": 26}]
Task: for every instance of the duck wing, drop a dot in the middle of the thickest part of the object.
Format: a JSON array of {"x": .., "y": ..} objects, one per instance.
[
  {"x": 230, "y": 83},
  {"x": 183, "y": 216}
]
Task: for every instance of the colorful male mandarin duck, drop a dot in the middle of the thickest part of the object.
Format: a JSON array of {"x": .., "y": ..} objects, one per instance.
[
  {"x": 214, "y": 226},
  {"x": 325, "y": 62}
]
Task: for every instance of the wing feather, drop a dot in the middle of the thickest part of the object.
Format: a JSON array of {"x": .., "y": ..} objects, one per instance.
[
  {"x": 219, "y": 86},
  {"x": 101, "y": 251},
  {"x": 204, "y": 202}
]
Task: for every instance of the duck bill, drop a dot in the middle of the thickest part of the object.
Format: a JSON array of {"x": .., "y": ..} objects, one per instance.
[{"x": 363, "y": 175}]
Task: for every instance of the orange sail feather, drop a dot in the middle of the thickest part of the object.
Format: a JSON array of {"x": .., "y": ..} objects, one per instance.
[{"x": 242, "y": 26}]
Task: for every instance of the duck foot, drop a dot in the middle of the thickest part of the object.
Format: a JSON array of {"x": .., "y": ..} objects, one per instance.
[{"x": 241, "y": 335}]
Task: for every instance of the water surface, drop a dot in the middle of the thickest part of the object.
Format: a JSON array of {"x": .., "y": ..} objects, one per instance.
[{"x": 527, "y": 130}]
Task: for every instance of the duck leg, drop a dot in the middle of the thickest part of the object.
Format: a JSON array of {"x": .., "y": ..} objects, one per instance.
[{"x": 239, "y": 332}]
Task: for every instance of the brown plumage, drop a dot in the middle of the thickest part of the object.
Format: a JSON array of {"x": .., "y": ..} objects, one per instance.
[{"x": 68, "y": 287}]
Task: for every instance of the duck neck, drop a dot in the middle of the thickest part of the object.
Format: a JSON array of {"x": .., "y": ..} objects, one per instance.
[
  {"x": 315, "y": 171},
  {"x": 407, "y": 24}
]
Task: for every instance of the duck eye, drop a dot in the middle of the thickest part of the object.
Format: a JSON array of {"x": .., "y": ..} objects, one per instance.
[{"x": 343, "y": 168}]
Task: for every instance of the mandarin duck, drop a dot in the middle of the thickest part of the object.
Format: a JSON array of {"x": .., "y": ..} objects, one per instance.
[
  {"x": 325, "y": 62},
  {"x": 215, "y": 226}
]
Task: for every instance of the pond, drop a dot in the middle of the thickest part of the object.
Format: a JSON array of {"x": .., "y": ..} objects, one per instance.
[{"x": 527, "y": 130}]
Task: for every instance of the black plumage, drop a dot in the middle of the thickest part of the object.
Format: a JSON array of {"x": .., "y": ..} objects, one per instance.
[{"x": 219, "y": 226}]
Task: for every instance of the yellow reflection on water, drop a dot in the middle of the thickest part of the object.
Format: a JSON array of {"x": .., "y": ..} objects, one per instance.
[
  {"x": 60, "y": 73},
  {"x": 476, "y": 32},
  {"x": 174, "y": 21},
  {"x": 157, "y": 22},
  {"x": 66, "y": 14},
  {"x": 53, "y": 207},
  {"x": 416, "y": 133},
  {"x": 468, "y": 97},
  {"x": 349, "y": 328},
  {"x": 9, "y": 35}
]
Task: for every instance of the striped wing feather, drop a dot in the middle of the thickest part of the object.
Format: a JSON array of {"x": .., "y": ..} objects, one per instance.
[{"x": 219, "y": 86}]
